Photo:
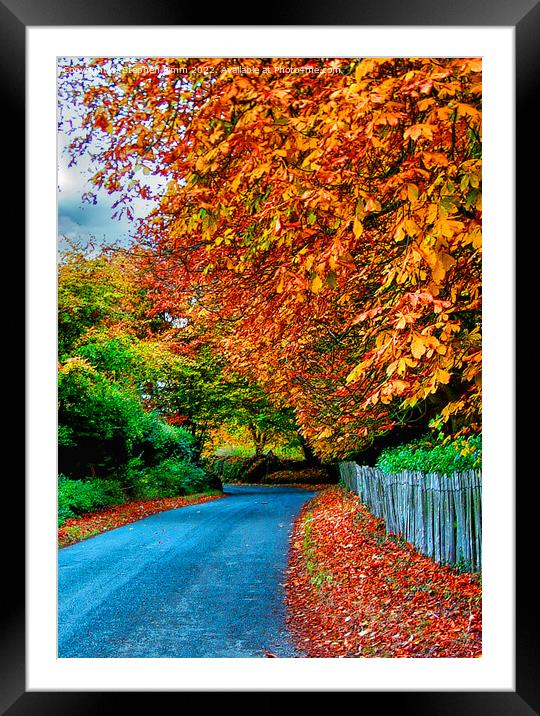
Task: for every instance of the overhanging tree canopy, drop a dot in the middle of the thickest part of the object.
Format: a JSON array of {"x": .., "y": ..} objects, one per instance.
[{"x": 321, "y": 219}]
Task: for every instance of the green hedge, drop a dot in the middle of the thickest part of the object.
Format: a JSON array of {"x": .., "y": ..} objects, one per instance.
[
  {"x": 427, "y": 455},
  {"x": 76, "y": 497},
  {"x": 171, "y": 478}
]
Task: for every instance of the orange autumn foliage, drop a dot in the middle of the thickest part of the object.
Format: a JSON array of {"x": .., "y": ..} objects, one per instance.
[{"x": 323, "y": 229}]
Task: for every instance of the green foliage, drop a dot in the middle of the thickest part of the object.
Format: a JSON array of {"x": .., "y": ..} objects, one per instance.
[
  {"x": 132, "y": 413},
  {"x": 102, "y": 425},
  {"x": 263, "y": 420},
  {"x": 428, "y": 455},
  {"x": 232, "y": 469},
  {"x": 161, "y": 441},
  {"x": 97, "y": 290},
  {"x": 229, "y": 450},
  {"x": 65, "y": 436},
  {"x": 76, "y": 497},
  {"x": 99, "y": 421},
  {"x": 170, "y": 478},
  {"x": 112, "y": 356}
]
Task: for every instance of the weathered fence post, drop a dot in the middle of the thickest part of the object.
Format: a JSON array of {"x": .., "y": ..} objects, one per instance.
[{"x": 439, "y": 514}]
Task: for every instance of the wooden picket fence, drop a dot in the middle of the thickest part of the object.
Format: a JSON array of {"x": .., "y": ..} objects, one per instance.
[{"x": 441, "y": 515}]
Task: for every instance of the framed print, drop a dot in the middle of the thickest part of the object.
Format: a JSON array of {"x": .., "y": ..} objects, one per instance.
[{"x": 81, "y": 674}]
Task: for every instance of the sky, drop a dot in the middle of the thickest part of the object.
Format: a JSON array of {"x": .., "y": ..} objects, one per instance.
[
  {"x": 79, "y": 221},
  {"x": 83, "y": 222}
]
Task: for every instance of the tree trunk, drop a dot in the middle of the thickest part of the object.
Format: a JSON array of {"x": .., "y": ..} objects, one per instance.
[
  {"x": 309, "y": 455},
  {"x": 259, "y": 439}
]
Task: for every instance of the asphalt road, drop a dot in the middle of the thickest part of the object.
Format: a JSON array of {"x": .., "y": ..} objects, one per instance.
[{"x": 198, "y": 581}]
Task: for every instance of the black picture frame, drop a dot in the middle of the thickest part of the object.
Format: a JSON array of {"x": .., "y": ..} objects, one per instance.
[{"x": 524, "y": 17}]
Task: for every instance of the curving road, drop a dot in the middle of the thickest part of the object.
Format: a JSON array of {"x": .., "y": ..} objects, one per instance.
[{"x": 199, "y": 581}]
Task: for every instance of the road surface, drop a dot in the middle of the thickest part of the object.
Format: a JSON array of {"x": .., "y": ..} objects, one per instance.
[{"x": 198, "y": 581}]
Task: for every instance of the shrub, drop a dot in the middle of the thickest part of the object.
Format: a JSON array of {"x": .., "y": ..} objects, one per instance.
[
  {"x": 64, "y": 513},
  {"x": 76, "y": 497},
  {"x": 171, "y": 478},
  {"x": 427, "y": 455},
  {"x": 99, "y": 421},
  {"x": 231, "y": 469},
  {"x": 162, "y": 441},
  {"x": 103, "y": 425}
]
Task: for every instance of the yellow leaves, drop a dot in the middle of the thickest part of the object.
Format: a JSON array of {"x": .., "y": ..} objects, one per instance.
[
  {"x": 288, "y": 193},
  {"x": 424, "y": 104},
  {"x": 308, "y": 161},
  {"x": 474, "y": 237},
  {"x": 261, "y": 169},
  {"x": 326, "y": 433},
  {"x": 447, "y": 261},
  {"x": 474, "y": 337},
  {"x": 419, "y": 130},
  {"x": 390, "y": 118},
  {"x": 441, "y": 349},
  {"x": 401, "y": 322},
  {"x": 308, "y": 263},
  {"x": 432, "y": 213},
  {"x": 472, "y": 174},
  {"x": 474, "y": 65},
  {"x": 356, "y": 374},
  {"x": 418, "y": 347},
  {"x": 447, "y": 227},
  {"x": 316, "y": 284},
  {"x": 442, "y": 376},
  {"x": 362, "y": 68},
  {"x": 411, "y": 227},
  {"x": 383, "y": 339},
  {"x": 358, "y": 228},
  {"x": 438, "y": 272},
  {"x": 372, "y": 205},
  {"x": 434, "y": 159},
  {"x": 201, "y": 164},
  {"x": 421, "y": 344},
  {"x": 408, "y": 362},
  {"x": 412, "y": 192},
  {"x": 359, "y": 211},
  {"x": 467, "y": 110},
  {"x": 399, "y": 233},
  {"x": 410, "y": 402},
  {"x": 407, "y": 227},
  {"x": 400, "y": 365}
]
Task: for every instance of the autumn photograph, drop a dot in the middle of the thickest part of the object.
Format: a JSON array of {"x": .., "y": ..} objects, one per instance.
[{"x": 269, "y": 294}]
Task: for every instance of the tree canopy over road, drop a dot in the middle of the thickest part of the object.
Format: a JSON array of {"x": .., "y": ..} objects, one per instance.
[{"x": 316, "y": 224}]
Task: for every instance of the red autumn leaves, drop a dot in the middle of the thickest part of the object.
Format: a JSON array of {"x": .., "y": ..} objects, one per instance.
[{"x": 354, "y": 591}]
